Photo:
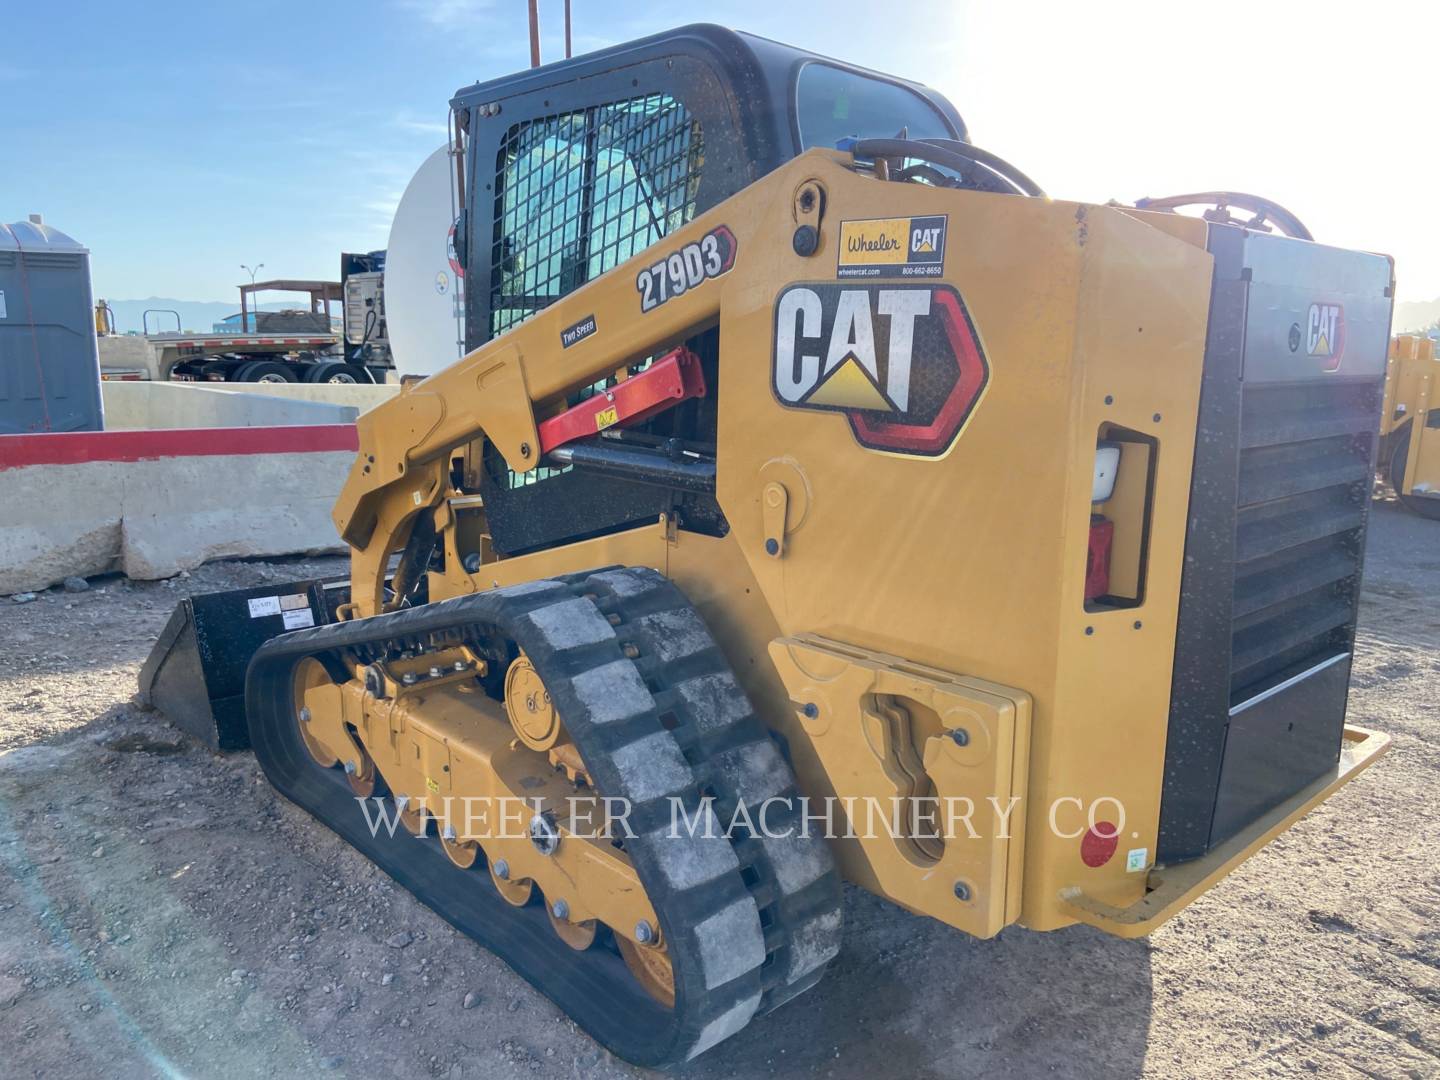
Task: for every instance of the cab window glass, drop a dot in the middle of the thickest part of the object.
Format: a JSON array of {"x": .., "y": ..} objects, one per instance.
[{"x": 832, "y": 104}]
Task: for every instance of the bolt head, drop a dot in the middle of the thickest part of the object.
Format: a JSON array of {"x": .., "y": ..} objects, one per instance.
[
  {"x": 435, "y": 672},
  {"x": 962, "y": 891},
  {"x": 502, "y": 869},
  {"x": 644, "y": 934},
  {"x": 560, "y": 909},
  {"x": 805, "y": 241},
  {"x": 408, "y": 678},
  {"x": 351, "y": 768},
  {"x": 811, "y": 710},
  {"x": 960, "y": 736},
  {"x": 448, "y": 833},
  {"x": 304, "y": 716},
  {"x": 544, "y": 833},
  {"x": 772, "y": 546},
  {"x": 461, "y": 665}
]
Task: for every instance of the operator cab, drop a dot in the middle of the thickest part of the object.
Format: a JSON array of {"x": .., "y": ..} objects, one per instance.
[
  {"x": 578, "y": 165},
  {"x": 572, "y": 168}
]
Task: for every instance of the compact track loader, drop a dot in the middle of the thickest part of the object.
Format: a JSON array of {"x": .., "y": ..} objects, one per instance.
[{"x": 820, "y": 501}]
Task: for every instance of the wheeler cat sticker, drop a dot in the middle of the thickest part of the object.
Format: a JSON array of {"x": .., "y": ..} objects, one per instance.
[
  {"x": 1325, "y": 334},
  {"x": 680, "y": 271},
  {"x": 892, "y": 247},
  {"x": 902, "y": 362}
]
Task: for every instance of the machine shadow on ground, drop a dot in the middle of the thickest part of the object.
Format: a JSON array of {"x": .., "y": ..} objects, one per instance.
[{"x": 1022, "y": 1004}]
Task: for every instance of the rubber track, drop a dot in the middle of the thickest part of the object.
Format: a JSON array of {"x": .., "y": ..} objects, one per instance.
[{"x": 657, "y": 716}]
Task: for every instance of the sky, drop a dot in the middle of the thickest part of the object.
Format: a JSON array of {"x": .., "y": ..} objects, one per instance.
[{"x": 178, "y": 140}]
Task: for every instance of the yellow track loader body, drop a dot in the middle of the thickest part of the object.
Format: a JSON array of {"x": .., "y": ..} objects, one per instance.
[
  {"x": 951, "y": 584},
  {"x": 819, "y": 504}
]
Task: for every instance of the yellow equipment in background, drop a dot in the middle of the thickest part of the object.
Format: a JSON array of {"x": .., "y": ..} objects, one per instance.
[
  {"x": 1409, "y": 453},
  {"x": 104, "y": 319}
]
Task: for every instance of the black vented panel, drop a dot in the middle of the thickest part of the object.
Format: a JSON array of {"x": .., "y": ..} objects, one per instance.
[
  {"x": 1284, "y": 451},
  {"x": 1305, "y": 453}
]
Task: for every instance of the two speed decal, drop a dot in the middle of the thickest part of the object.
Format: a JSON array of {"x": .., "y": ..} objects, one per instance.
[{"x": 692, "y": 265}]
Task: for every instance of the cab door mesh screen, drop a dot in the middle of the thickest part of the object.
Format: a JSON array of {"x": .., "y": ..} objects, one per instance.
[{"x": 578, "y": 193}]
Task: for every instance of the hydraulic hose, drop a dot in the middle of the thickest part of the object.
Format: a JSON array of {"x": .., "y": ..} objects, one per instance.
[{"x": 950, "y": 154}]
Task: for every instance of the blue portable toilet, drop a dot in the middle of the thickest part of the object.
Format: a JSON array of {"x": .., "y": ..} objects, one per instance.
[{"x": 49, "y": 363}]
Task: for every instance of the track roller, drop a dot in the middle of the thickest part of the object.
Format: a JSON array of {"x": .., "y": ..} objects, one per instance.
[
  {"x": 463, "y": 853},
  {"x": 578, "y": 936}
]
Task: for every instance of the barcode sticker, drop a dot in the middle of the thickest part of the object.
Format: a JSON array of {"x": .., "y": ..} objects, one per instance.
[{"x": 261, "y": 606}]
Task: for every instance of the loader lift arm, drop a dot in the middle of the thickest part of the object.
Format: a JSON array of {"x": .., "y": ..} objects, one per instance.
[{"x": 405, "y": 445}]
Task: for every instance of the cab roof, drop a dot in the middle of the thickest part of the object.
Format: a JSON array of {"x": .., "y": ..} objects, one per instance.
[{"x": 759, "y": 72}]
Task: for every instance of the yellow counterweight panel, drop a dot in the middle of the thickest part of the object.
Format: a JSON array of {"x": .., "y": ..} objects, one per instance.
[{"x": 974, "y": 563}]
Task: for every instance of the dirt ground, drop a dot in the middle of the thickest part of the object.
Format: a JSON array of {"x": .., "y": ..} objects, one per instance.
[{"x": 164, "y": 913}]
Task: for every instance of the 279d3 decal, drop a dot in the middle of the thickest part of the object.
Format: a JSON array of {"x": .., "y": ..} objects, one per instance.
[
  {"x": 902, "y": 362},
  {"x": 690, "y": 266}
]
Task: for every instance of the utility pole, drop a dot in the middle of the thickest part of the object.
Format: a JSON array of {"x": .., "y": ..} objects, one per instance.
[{"x": 244, "y": 318}]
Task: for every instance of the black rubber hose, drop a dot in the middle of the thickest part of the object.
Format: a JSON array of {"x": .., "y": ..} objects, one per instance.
[
  {"x": 949, "y": 154},
  {"x": 994, "y": 162}
]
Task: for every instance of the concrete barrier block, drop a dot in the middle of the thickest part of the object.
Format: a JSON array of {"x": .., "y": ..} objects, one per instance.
[
  {"x": 271, "y": 504},
  {"x": 58, "y": 522},
  {"x": 362, "y": 397},
  {"x": 154, "y": 406},
  {"x": 153, "y": 503}
]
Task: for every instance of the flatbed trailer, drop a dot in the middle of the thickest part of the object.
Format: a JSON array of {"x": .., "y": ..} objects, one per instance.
[
  {"x": 226, "y": 356},
  {"x": 297, "y": 346},
  {"x": 234, "y": 356}
]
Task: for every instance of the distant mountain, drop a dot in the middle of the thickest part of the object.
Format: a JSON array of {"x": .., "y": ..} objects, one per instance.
[
  {"x": 1416, "y": 314},
  {"x": 196, "y": 316}
]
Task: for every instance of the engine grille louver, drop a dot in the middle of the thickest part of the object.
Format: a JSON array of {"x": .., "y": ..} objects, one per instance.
[{"x": 1305, "y": 453}]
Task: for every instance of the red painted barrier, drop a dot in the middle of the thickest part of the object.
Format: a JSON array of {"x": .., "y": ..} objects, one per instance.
[{"x": 70, "y": 448}]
